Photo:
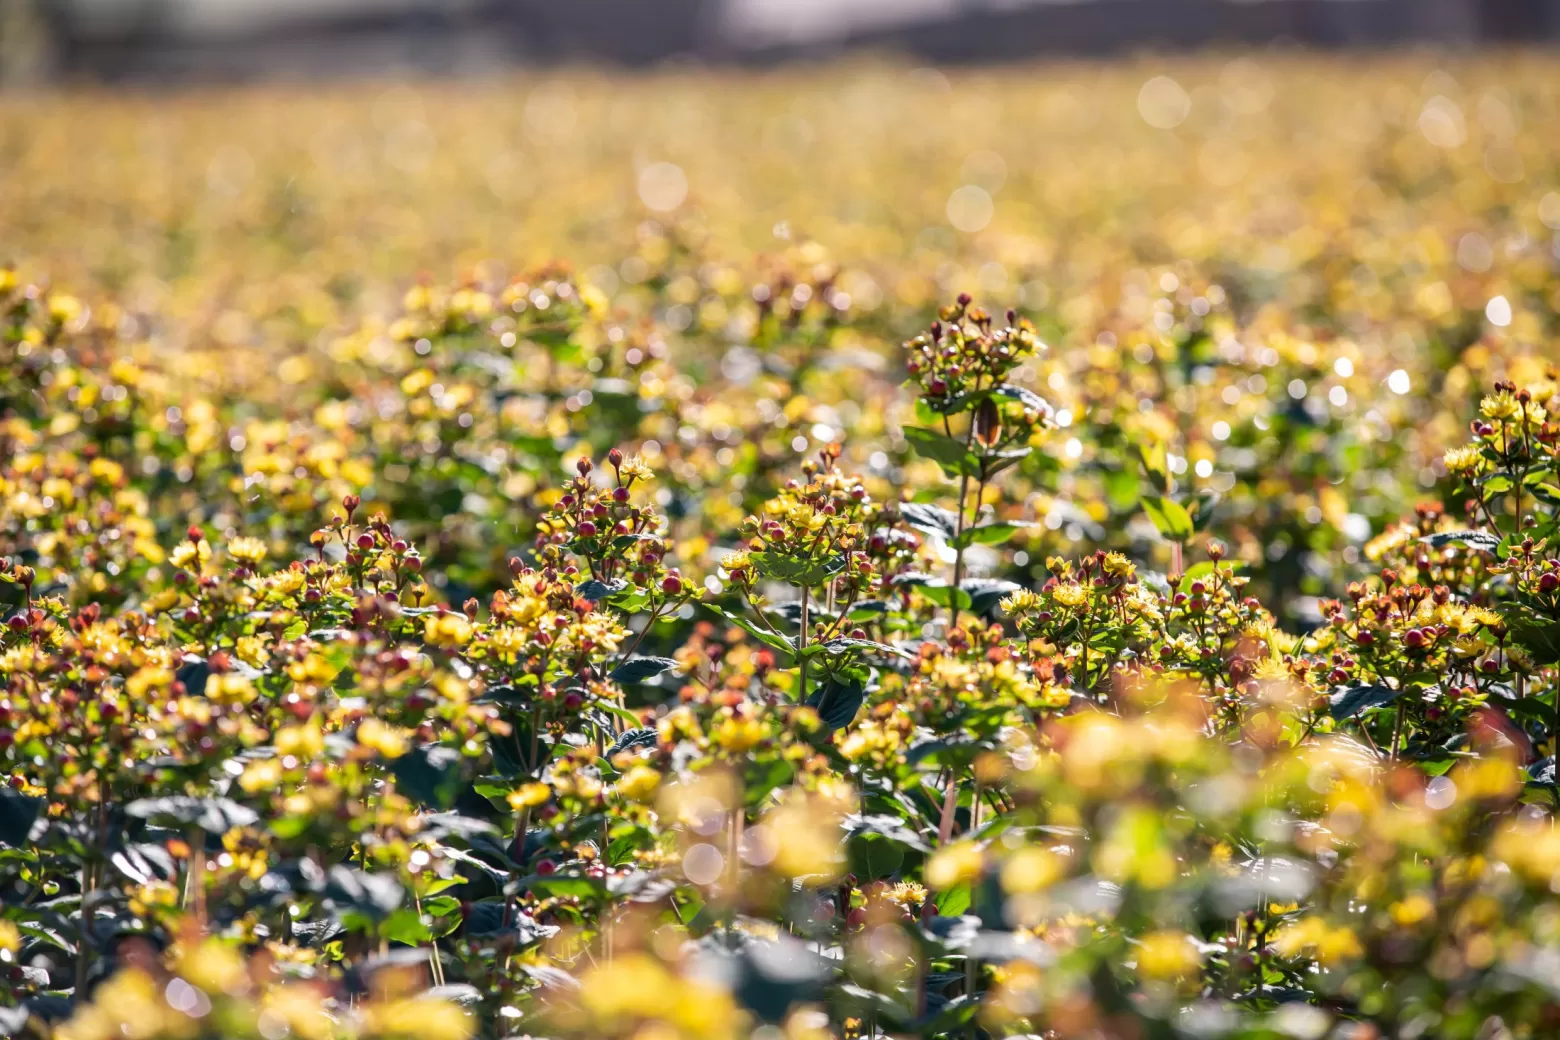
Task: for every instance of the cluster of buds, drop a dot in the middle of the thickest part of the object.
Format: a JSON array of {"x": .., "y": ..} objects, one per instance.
[
  {"x": 1516, "y": 445},
  {"x": 379, "y": 560},
  {"x": 812, "y": 524},
  {"x": 543, "y": 629},
  {"x": 598, "y": 522},
  {"x": 964, "y": 351}
]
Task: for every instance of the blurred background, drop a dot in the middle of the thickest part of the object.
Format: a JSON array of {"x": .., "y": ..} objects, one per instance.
[{"x": 115, "y": 40}]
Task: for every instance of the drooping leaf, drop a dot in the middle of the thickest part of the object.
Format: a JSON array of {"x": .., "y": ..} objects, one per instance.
[
  {"x": 595, "y": 590},
  {"x": 836, "y": 647},
  {"x": 950, "y": 454},
  {"x": 985, "y": 593},
  {"x": 18, "y": 813},
  {"x": 638, "y": 669},
  {"x": 1356, "y": 699},
  {"x": 212, "y": 815},
  {"x": 146, "y": 862},
  {"x": 1170, "y": 518},
  {"x": 375, "y": 896},
  {"x": 1484, "y": 541},
  {"x": 431, "y": 774},
  {"x": 930, "y": 519},
  {"x": 837, "y": 701},
  {"x": 994, "y": 533},
  {"x": 769, "y": 639},
  {"x": 632, "y": 740}
]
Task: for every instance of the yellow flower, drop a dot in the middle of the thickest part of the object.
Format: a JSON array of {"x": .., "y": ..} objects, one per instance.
[
  {"x": 416, "y": 1018},
  {"x": 248, "y": 551},
  {"x": 529, "y": 796},
  {"x": 1032, "y": 869},
  {"x": 737, "y": 733},
  {"x": 1070, "y": 594},
  {"x": 1167, "y": 956},
  {"x": 447, "y": 630},
  {"x": 10, "y": 941},
  {"x": 1465, "y": 460},
  {"x": 1500, "y": 405},
  {"x": 639, "y": 784},
  {"x": 953, "y": 864},
  {"x": 389, "y": 741},
  {"x": 1118, "y": 566}
]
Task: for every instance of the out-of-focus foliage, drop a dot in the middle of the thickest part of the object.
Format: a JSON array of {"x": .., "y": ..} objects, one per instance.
[{"x": 716, "y": 636}]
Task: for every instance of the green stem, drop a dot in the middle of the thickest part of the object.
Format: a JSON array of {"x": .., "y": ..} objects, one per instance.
[{"x": 801, "y": 647}]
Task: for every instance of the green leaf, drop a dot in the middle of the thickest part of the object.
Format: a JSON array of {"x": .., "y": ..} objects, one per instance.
[
  {"x": 837, "y": 701},
  {"x": 1484, "y": 541},
  {"x": 18, "y": 812},
  {"x": 1156, "y": 464},
  {"x": 874, "y": 856},
  {"x": 1169, "y": 517},
  {"x": 764, "y": 636},
  {"x": 942, "y": 594},
  {"x": 638, "y": 669},
  {"x": 596, "y": 591},
  {"x": 406, "y": 926},
  {"x": 212, "y": 815},
  {"x": 951, "y": 455},
  {"x": 991, "y": 534},
  {"x": 1356, "y": 699},
  {"x": 1202, "y": 508},
  {"x": 431, "y": 774},
  {"x": 952, "y": 902},
  {"x": 375, "y": 896},
  {"x": 1538, "y": 633},
  {"x": 836, "y": 647},
  {"x": 797, "y": 571},
  {"x": 1496, "y": 484},
  {"x": 929, "y": 519},
  {"x": 982, "y": 594}
]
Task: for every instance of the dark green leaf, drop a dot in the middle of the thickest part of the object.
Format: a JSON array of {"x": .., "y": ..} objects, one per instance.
[
  {"x": 769, "y": 639},
  {"x": 18, "y": 812},
  {"x": 632, "y": 740},
  {"x": 1350, "y": 702},
  {"x": 375, "y": 896},
  {"x": 596, "y": 591},
  {"x": 835, "y": 647},
  {"x": 837, "y": 701},
  {"x": 638, "y": 669},
  {"x": 985, "y": 593},
  {"x": 431, "y": 774},
  {"x": 932, "y": 520},
  {"x": 1484, "y": 541},
  {"x": 874, "y": 856},
  {"x": 212, "y": 815}
]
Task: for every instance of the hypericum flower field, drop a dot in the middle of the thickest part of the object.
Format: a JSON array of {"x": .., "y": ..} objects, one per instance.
[{"x": 835, "y": 553}]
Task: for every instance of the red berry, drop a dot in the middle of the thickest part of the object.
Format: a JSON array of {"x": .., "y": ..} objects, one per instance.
[
  {"x": 546, "y": 867},
  {"x": 671, "y": 585},
  {"x": 587, "y": 529}
]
